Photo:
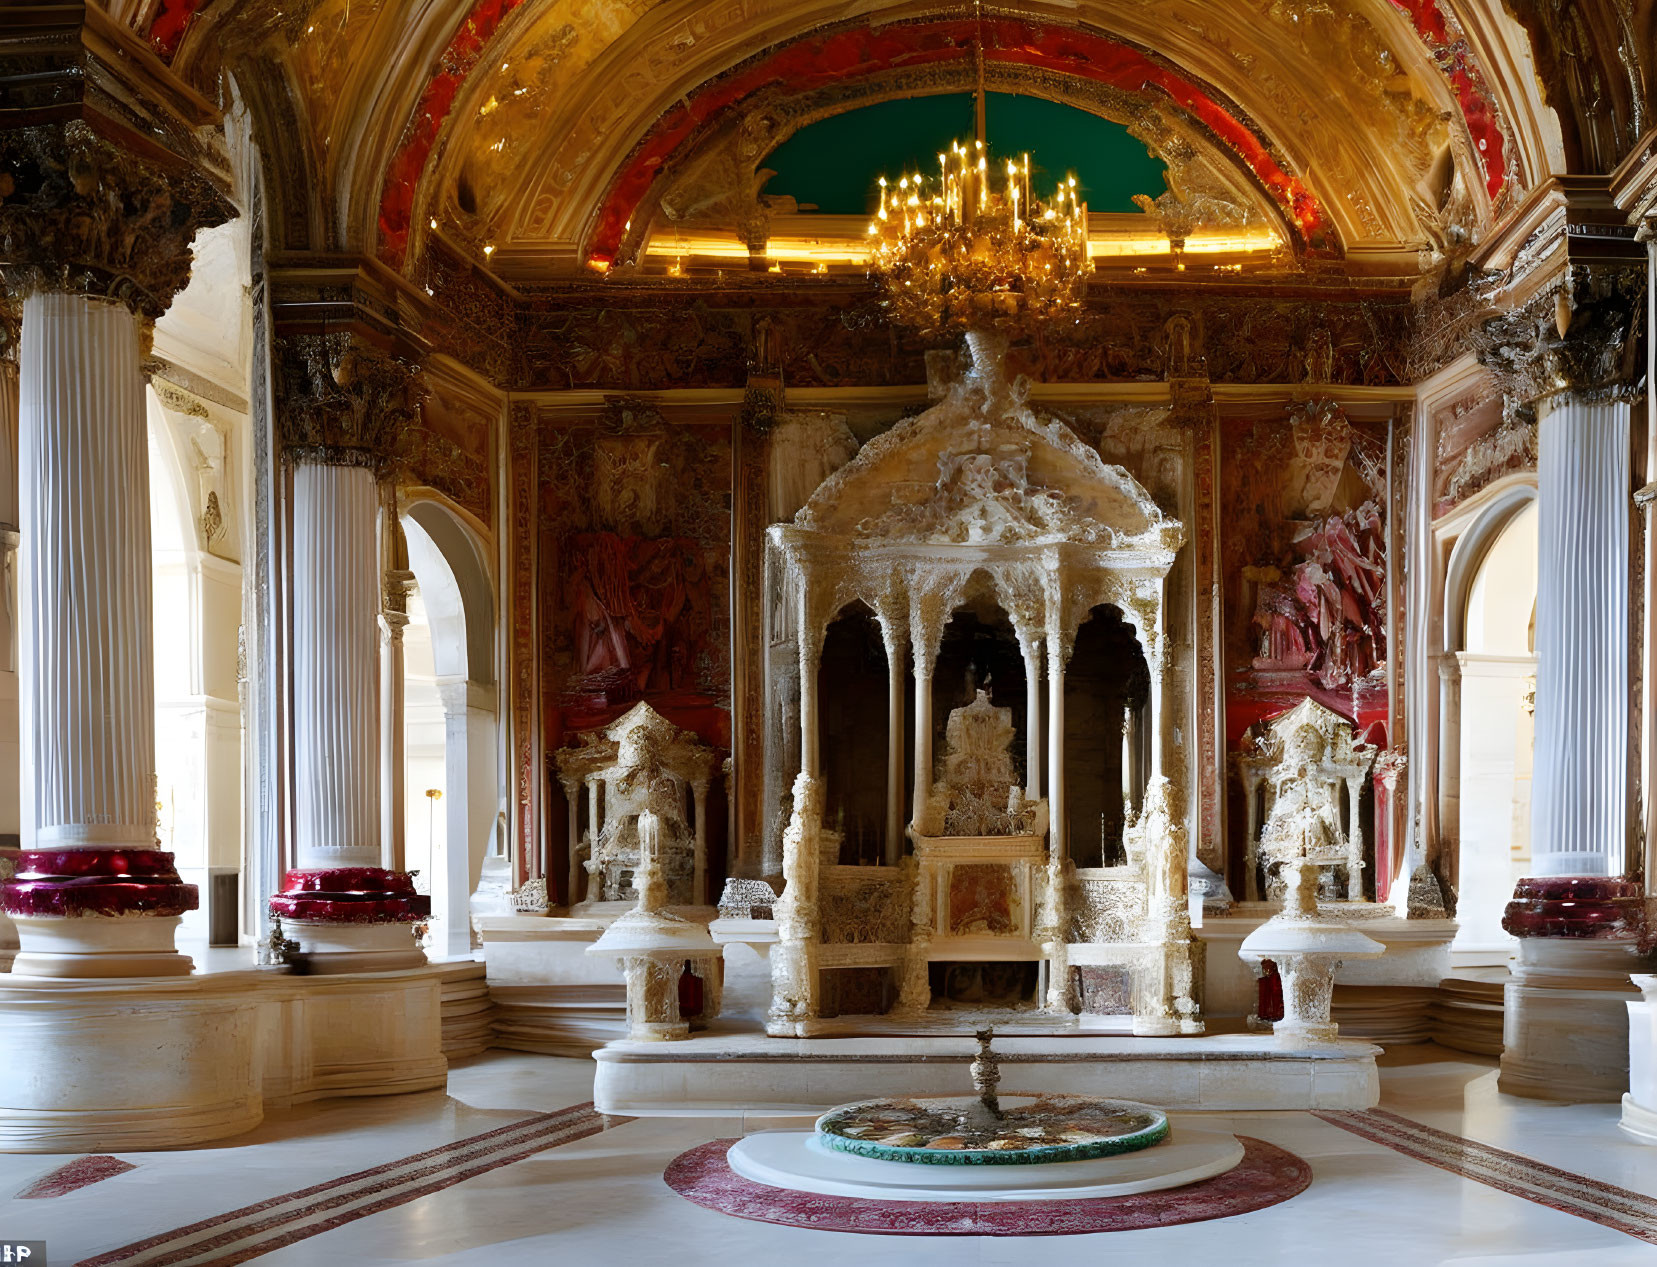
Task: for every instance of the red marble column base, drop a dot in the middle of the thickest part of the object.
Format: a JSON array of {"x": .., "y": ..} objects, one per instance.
[
  {"x": 352, "y": 919},
  {"x": 112, "y": 882},
  {"x": 351, "y": 895},
  {"x": 1590, "y": 907},
  {"x": 96, "y": 912},
  {"x": 8, "y": 930}
]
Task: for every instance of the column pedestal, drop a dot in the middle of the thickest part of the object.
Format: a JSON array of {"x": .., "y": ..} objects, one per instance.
[
  {"x": 352, "y": 919},
  {"x": 1565, "y": 1020},
  {"x": 1639, "y": 1102},
  {"x": 97, "y": 913}
]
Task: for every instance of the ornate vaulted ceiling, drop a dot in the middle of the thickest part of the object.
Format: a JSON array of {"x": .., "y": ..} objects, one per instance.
[{"x": 545, "y": 137}]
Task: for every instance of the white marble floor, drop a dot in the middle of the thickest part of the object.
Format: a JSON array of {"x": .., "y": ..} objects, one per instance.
[{"x": 601, "y": 1198}]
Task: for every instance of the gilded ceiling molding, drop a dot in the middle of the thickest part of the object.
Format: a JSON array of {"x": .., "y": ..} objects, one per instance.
[
  {"x": 826, "y": 58},
  {"x": 1441, "y": 33},
  {"x": 575, "y": 90},
  {"x": 1595, "y": 60},
  {"x": 170, "y": 24},
  {"x": 717, "y": 181},
  {"x": 414, "y": 148},
  {"x": 542, "y": 98}
]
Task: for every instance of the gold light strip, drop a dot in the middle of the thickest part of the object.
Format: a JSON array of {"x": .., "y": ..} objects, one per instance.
[{"x": 855, "y": 251}]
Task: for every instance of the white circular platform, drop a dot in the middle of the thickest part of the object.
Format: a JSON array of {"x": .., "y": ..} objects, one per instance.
[{"x": 794, "y": 1160}]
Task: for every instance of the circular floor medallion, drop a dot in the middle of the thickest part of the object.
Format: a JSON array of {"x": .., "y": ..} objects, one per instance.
[{"x": 1266, "y": 1175}]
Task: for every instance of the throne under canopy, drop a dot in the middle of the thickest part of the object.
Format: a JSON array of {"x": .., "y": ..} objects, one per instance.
[
  {"x": 1038, "y": 866},
  {"x": 1303, "y": 777},
  {"x": 640, "y": 763}
]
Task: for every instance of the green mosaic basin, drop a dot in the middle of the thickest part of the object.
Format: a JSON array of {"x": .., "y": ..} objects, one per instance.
[{"x": 958, "y": 1131}]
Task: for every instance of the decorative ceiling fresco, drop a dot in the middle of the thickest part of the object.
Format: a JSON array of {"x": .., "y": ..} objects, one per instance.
[{"x": 544, "y": 137}]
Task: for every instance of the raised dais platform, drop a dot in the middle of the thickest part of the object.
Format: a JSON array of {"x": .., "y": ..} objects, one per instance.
[{"x": 729, "y": 1074}]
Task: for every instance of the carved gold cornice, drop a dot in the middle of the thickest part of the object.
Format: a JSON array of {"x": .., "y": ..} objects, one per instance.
[
  {"x": 342, "y": 400},
  {"x": 78, "y": 213},
  {"x": 109, "y": 163},
  {"x": 1579, "y": 334},
  {"x": 11, "y": 329}
]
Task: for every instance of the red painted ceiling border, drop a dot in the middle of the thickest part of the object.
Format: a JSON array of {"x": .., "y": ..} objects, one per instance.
[
  {"x": 816, "y": 61},
  {"x": 1456, "y": 63},
  {"x": 457, "y": 61}
]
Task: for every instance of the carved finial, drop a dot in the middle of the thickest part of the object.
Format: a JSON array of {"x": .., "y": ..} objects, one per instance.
[
  {"x": 277, "y": 949},
  {"x": 1302, "y": 897},
  {"x": 649, "y": 881},
  {"x": 986, "y": 1072}
]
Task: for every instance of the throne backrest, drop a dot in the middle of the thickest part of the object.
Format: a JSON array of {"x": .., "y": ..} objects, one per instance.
[{"x": 979, "y": 793}]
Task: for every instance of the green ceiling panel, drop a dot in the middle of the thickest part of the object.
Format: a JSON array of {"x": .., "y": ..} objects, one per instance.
[{"x": 833, "y": 163}]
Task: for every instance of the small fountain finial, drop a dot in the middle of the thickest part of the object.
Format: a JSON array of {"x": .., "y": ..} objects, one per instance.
[{"x": 986, "y": 1072}]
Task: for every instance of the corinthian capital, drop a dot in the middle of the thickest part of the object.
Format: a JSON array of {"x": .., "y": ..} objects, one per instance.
[
  {"x": 343, "y": 400},
  {"x": 1578, "y": 335},
  {"x": 79, "y": 213}
]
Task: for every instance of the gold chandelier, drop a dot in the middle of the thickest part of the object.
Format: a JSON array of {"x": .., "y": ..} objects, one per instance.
[{"x": 954, "y": 253}]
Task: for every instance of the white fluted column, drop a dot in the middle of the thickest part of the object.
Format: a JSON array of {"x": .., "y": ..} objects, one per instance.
[
  {"x": 1580, "y": 816},
  {"x": 595, "y": 789},
  {"x": 336, "y": 604},
  {"x": 924, "y": 654},
  {"x": 347, "y": 913},
  {"x": 393, "y": 767},
  {"x": 1058, "y": 835},
  {"x": 86, "y": 686},
  {"x": 1128, "y": 758},
  {"x": 88, "y": 690},
  {"x": 11, "y": 758},
  {"x": 892, "y": 638},
  {"x": 1565, "y": 1019},
  {"x": 810, "y": 649},
  {"x": 1029, "y": 649},
  {"x": 452, "y": 874}
]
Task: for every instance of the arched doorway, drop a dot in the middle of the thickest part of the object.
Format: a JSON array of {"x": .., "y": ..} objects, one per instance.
[
  {"x": 1492, "y": 636},
  {"x": 854, "y": 688},
  {"x": 196, "y": 595},
  {"x": 450, "y": 722},
  {"x": 1107, "y": 740}
]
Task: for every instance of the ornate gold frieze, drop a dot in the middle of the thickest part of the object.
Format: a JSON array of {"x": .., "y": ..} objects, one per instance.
[{"x": 654, "y": 338}]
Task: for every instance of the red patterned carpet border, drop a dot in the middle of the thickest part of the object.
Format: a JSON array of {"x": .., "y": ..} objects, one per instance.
[
  {"x": 1621, "y": 1209},
  {"x": 1266, "y": 1175},
  {"x": 74, "y": 1175},
  {"x": 244, "y": 1234}
]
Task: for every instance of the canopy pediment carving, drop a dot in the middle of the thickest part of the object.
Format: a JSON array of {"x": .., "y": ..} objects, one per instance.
[{"x": 982, "y": 468}]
